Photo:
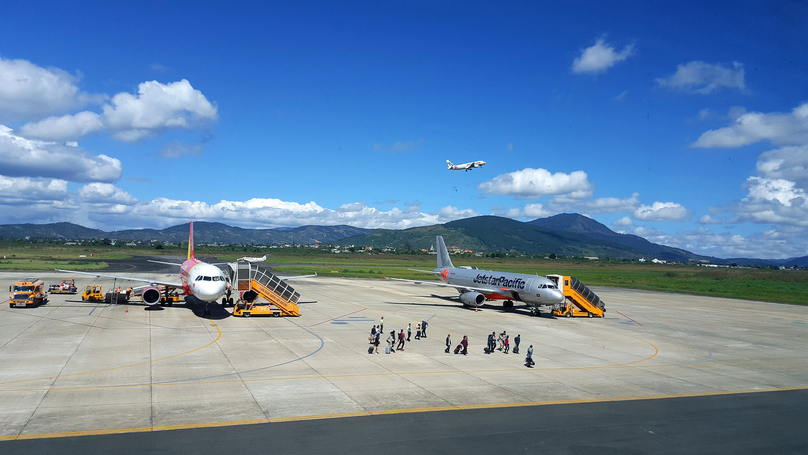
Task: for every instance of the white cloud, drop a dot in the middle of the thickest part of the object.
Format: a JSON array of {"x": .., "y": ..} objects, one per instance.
[
  {"x": 531, "y": 211},
  {"x": 789, "y": 163},
  {"x": 596, "y": 206},
  {"x": 20, "y": 157},
  {"x": 398, "y": 146},
  {"x": 662, "y": 211},
  {"x": 623, "y": 222},
  {"x": 129, "y": 118},
  {"x": 772, "y": 201},
  {"x": 778, "y": 243},
  {"x": 66, "y": 127},
  {"x": 535, "y": 183},
  {"x": 23, "y": 190},
  {"x": 599, "y": 57},
  {"x": 777, "y": 128},
  {"x": 105, "y": 193},
  {"x": 28, "y": 91},
  {"x": 703, "y": 78},
  {"x": 707, "y": 219}
]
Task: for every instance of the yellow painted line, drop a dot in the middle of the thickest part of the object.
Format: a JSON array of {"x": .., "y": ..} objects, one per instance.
[
  {"x": 384, "y": 412},
  {"x": 118, "y": 367}
]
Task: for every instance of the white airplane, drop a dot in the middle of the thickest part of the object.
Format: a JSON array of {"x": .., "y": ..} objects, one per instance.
[
  {"x": 249, "y": 259},
  {"x": 204, "y": 281},
  {"x": 475, "y": 286},
  {"x": 466, "y": 166}
]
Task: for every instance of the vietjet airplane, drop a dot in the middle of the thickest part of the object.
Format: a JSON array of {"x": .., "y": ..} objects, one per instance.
[
  {"x": 199, "y": 279},
  {"x": 466, "y": 166},
  {"x": 475, "y": 286},
  {"x": 252, "y": 259}
]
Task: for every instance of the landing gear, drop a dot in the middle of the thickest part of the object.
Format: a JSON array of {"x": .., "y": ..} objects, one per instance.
[{"x": 507, "y": 304}]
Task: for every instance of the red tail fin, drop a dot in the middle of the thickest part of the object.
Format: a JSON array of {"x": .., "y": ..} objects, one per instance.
[{"x": 191, "y": 242}]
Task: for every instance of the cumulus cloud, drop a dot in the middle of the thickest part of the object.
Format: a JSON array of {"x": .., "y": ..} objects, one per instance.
[
  {"x": 105, "y": 193},
  {"x": 777, "y": 127},
  {"x": 771, "y": 244},
  {"x": 788, "y": 163},
  {"x": 531, "y": 211},
  {"x": 535, "y": 183},
  {"x": 599, "y": 57},
  {"x": 28, "y": 91},
  {"x": 703, "y": 78},
  {"x": 156, "y": 108},
  {"x": 595, "y": 206},
  {"x": 707, "y": 219},
  {"x": 772, "y": 201},
  {"x": 23, "y": 190},
  {"x": 623, "y": 222},
  {"x": 20, "y": 157},
  {"x": 662, "y": 211}
]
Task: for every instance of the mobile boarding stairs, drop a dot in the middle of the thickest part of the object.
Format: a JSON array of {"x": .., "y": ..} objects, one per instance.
[
  {"x": 578, "y": 299},
  {"x": 251, "y": 282}
]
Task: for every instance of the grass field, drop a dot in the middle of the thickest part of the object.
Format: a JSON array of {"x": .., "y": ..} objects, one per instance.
[{"x": 786, "y": 286}]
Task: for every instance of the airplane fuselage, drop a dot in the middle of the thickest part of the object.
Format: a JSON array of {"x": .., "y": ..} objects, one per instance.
[
  {"x": 530, "y": 289},
  {"x": 201, "y": 280}
]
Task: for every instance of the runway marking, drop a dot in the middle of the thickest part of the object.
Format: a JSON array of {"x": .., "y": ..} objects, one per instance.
[
  {"x": 357, "y": 311},
  {"x": 632, "y": 320},
  {"x": 384, "y": 412},
  {"x": 118, "y": 367}
]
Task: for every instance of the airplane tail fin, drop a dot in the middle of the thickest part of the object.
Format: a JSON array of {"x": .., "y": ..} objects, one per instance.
[
  {"x": 191, "y": 242},
  {"x": 443, "y": 255},
  {"x": 450, "y": 164}
]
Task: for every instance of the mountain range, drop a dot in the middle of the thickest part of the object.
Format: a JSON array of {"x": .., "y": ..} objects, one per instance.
[{"x": 567, "y": 234}]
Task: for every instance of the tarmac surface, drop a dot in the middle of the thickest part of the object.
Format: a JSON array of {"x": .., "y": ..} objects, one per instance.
[{"x": 694, "y": 371}]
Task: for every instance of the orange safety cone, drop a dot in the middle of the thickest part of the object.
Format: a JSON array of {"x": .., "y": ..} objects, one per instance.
[
  {"x": 475, "y": 309},
  {"x": 127, "y": 310}
]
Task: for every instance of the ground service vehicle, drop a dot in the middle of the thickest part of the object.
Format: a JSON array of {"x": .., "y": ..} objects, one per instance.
[
  {"x": 93, "y": 293},
  {"x": 68, "y": 286},
  {"x": 28, "y": 292}
]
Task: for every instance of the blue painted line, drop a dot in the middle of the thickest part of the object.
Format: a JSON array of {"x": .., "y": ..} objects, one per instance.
[
  {"x": 91, "y": 311},
  {"x": 430, "y": 318},
  {"x": 339, "y": 322}
]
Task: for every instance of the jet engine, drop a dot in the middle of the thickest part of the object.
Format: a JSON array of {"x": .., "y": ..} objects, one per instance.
[
  {"x": 150, "y": 295},
  {"x": 472, "y": 298}
]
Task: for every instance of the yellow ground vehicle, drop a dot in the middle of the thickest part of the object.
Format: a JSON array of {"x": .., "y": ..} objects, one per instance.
[
  {"x": 68, "y": 286},
  {"x": 28, "y": 292},
  {"x": 93, "y": 293},
  {"x": 579, "y": 300}
]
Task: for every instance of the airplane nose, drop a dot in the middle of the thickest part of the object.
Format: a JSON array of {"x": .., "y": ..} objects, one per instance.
[{"x": 558, "y": 296}]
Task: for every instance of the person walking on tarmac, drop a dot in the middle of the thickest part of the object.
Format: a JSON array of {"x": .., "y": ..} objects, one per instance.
[
  {"x": 378, "y": 340},
  {"x": 401, "y": 340},
  {"x": 465, "y": 344},
  {"x": 516, "y": 342},
  {"x": 448, "y": 343},
  {"x": 507, "y": 344},
  {"x": 409, "y": 331},
  {"x": 529, "y": 359},
  {"x": 381, "y": 323},
  {"x": 423, "y": 328}
]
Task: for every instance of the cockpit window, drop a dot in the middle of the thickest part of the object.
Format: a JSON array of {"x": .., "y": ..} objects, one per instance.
[
  {"x": 207, "y": 278},
  {"x": 199, "y": 278}
]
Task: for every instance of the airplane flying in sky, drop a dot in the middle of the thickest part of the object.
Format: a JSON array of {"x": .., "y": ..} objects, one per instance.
[
  {"x": 475, "y": 286},
  {"x": 252, "y": 259},
  {"x": 466, "y": 166},
  {"x": 199, "y": 279}
]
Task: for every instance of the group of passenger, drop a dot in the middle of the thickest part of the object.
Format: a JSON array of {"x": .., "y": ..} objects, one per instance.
[
  {"x": 396, "y": 341},
  {"x": 502, "y": 343}
]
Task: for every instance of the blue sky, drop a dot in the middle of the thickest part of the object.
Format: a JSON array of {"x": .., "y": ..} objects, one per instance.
[{"x": 682, "y": 122}]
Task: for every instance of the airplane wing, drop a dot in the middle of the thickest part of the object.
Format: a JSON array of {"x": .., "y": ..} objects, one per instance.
[
  {"x": 172, "y": 284},
  {"x": 166, "y": 263},
  {"x": 444, "y": 285},
  {"x": 284, "y": 278}
]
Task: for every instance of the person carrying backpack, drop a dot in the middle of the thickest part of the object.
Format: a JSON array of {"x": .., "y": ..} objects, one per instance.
[{"x": 529, "y": 359}]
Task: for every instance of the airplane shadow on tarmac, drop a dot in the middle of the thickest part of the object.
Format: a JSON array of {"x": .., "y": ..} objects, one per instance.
[
  {"x": 458, "y": 304},
  {"x": 196, "y": 306}
]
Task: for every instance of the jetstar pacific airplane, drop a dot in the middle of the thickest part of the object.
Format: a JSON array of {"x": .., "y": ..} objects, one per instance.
[
  {"x": 199, "y": 279},
  {"x": 466, "y": 166},
  {"x": 475, "y": 286}
]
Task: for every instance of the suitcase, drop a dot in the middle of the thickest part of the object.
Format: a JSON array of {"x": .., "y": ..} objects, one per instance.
[
  {"x": 387, "y": 350},
  {"x": 370, "y": 350},
  {"x": 457, "y": 349}
]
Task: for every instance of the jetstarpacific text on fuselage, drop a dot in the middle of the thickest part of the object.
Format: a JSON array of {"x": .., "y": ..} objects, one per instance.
[{"x": 501, "y": 281}]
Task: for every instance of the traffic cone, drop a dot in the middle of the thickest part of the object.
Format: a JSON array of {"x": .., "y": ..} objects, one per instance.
[
  {"x": 127, "y": 310},
  {"x": 475, "y": 309}
]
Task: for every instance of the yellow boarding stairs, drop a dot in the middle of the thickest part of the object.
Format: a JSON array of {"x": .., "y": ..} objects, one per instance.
[
  {"x": 254, "y": 281},
  {"x": 578, "y": 299}
]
